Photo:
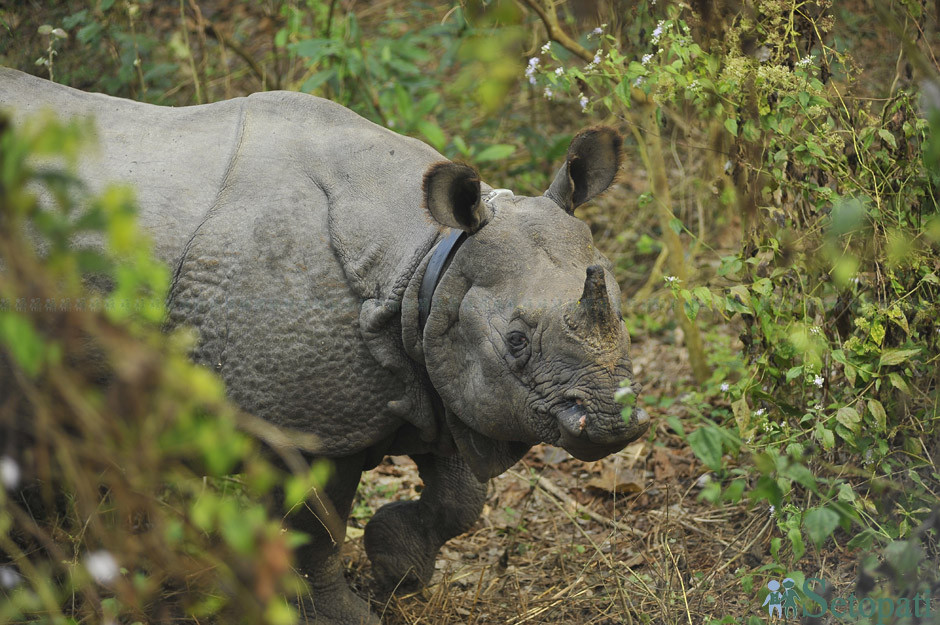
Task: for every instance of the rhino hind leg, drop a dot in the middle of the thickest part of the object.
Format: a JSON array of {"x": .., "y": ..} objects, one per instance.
[
  {"x": 330, "y": 600},
  {"x": 403, "y": 538}
]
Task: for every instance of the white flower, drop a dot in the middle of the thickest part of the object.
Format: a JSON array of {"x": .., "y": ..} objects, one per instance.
[
  {"x": 559, "y": 71},
  {"x": 597, "y": 58},
  {"x": 819, "y": 381},
  {"x": 806, "y": 60},
  {"x": 534, "y": 61},
  {"x": 597, "y": 31},
  {"x": 759, "y": 412},
  {"x": 815, "y": 330},
  {"x": 9, "y": 578},
  {"x": 549, "y": 93},
  {"x": 724, "y": 387},
  {"x": 546, "y": 47},
  {"x": 621, "y": 393},
  {"x": 670, "y": 279},
  {"x": 583, "y": 101},
  {"x": 771, "y": 510},
  {"x": 694, "y": 86},
  {"x": 9, "y": 472},
  {"x": 102, "y": 566},
  {"x": 646, "y": 58},
  {"x": 532, "y": 80},
  {"x": 658, "y": 31},
  {"x": 638, "y": 81}
]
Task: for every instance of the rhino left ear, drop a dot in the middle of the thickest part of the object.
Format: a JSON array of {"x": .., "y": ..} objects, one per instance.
[
  {"x": 452, "y": 196},
  {"x": 592, "y": 163}
]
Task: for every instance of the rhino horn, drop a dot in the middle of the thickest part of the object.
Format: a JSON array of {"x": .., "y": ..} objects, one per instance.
[{"x": 595, "y": 313}]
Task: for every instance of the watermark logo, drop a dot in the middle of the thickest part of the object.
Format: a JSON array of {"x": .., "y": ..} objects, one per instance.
[
  {"x": 784, "y": 602},
  {"x": 782, "y": 599}
]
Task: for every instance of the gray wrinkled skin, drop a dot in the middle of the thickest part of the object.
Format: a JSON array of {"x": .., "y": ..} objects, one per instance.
[{"x": 298, "y": 234}]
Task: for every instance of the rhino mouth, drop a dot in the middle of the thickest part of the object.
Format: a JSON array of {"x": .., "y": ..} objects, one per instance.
[{"x": 582, "y": 435}]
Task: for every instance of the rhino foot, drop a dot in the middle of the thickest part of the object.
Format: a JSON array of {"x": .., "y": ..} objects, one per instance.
[
  {"x": 401, "y": 548},
  {"x": 335, "y": 604}
]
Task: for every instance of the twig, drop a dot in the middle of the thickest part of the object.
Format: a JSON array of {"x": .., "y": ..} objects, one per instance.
[
  {"x": 235, "y": 47},
  {"x": 554, "y": 30},
  {"x": 565, "y": 498}
]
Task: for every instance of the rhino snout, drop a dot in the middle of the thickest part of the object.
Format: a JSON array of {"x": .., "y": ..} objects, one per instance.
[{"x": 589, "y": 436}]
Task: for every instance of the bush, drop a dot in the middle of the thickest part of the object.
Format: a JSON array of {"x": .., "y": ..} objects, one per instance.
[{"x": 117, "y": 502}]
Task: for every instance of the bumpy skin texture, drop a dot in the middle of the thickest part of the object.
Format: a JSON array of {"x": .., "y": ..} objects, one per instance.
[{"x": 299, "y": 233}]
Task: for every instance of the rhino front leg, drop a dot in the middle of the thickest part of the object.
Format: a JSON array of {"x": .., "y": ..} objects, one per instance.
[
  {"x": 403, "y": 538},
  {"x": 331, "y": 601}
]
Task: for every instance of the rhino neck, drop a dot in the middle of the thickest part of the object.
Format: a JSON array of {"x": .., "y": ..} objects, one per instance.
[{"x": 412, "y": 330}]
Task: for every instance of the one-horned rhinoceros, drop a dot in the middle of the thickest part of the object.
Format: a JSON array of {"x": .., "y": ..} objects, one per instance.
[{"x": 350, "y": 282}]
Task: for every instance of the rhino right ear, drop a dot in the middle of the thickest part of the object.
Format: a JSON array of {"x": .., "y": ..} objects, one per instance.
[
  {"x": 591, "y": 166},
  {"x": 452, "y": 196}
]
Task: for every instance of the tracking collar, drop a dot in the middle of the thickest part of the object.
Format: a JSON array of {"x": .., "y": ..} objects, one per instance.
[{"x": 440, "y": 259}]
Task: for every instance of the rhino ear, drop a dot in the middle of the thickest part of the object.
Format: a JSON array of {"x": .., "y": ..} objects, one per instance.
[
  {"x": 452, "y": 196},
  {"x": 592, "y": 163}
]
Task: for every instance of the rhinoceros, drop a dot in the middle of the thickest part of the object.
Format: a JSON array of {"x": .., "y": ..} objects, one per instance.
[{"x": 352, "y": 283}]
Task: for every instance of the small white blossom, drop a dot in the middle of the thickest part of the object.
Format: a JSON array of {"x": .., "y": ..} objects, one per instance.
[
  {"x": 638, "y": 81},
  {"x": 695, "y": 87},
  {"x": 559, "y": 71},
  {"x": 819, "y": 381},
  {"x": 534, "y": 61},
  {"x": 670, "y": 279},
  {"x": 545, "y": 48},
  {"x": 102, "y": 566},
  {"x": 597, "y": 59},
  {"x": 658, "y": 31},
  {"x": 759, "y": 412},
  {"x": 583, "y": 101},
  {"x": 815, "y": 330},
  {"x": 724, "y": 387},
  {"x": 806, "y": 60},
  {"x": 532, "y": 80},
  {"x": 597, "y": 32},
  {"x": 549, "y": 93},
  {"x": 9, "y": 472},
  {"x": 646, "y": 58},
  {"x": 9, "y": 578},
  {"x": 621, "y": 393},
  {"x": 771, "y": 510}
]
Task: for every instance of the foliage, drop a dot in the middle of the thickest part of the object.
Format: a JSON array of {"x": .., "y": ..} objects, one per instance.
[
  {"x": 836, "y": 281},
  {"x": 117, "y": 503}
]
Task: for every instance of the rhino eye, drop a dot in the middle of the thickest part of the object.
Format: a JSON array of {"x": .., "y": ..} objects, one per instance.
[{"x": 517, "y": 342}]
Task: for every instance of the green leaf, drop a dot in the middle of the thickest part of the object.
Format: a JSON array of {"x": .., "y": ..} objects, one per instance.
[
  {"x": 820, "y": 523},
  {"x": 796, "y": 539},
  {"x": 898, "y": 382},
  {"x": 24, "y": 343},
  {"x": 848, "y": 417},
  {"x": 706, "y": 444},
  {"x": 675, "y": 225},
  {"x": 433, "y": 133},
  {"x": 888, "y": 137},
  {"x": 731, "y": 124},
  {"x": 825, "y": 436},
  {"x": 878, "y": 411},
  {"x": 495, "y": 152},
  {"x": 896, "y": 356},
  {"x": 311, "y": 84}
]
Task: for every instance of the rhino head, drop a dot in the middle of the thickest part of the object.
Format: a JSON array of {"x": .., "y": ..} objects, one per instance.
[{"x": 525, "y": 342}]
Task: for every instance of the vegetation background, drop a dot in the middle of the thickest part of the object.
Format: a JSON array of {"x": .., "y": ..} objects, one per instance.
[{"x": 775, "y": 232}]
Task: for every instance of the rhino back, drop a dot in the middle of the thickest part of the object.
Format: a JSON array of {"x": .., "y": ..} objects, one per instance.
[{"x": 176, "y": 158}]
